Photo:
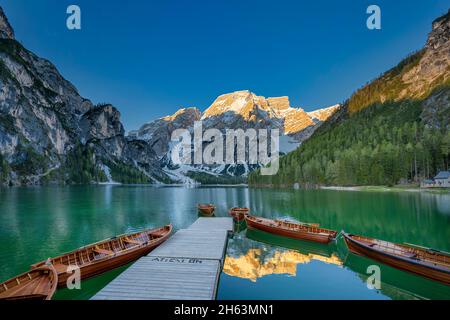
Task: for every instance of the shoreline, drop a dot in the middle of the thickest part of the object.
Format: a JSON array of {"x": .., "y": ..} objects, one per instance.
[
  {"x": 243, "y": 185},
  {"x": 386, "y": 189}
]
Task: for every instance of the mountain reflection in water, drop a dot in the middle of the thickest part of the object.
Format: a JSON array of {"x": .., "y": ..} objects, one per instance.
[
  {"x": 252, "y": 260},
  {"x": 255, "y": 264},
  {"x": 254, "y": 255}
]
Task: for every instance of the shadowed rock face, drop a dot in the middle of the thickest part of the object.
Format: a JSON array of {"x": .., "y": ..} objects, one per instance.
[
  {"x": 39, "y": 109},
  {"x": 6, "y": 31},
  {"x": 43, "y": 119},
  {"x": 158, "y": 133},
  {"x": 102, "y": 122}
]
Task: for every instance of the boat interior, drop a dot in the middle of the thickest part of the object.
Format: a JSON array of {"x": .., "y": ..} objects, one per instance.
[
  {"x": 34, "y": 284},
  {"x": 240, "y": 209},
  {"x": 105, "y": 249}
]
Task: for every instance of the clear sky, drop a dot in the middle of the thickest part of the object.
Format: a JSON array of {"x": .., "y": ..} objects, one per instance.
[{"x": 150, "y": 57}]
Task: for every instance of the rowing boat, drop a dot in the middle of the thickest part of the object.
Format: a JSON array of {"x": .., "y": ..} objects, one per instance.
[
  {"x": 37, "y": 284},
  {"x": 238, "y": 214},
  {"x": 106, "y": 255},
  {"x": 304, "y": 247},
  {"x": 425, "y": 262},
  {"x": 289, "y": 229},
  {"x": 206, "y": 209}
]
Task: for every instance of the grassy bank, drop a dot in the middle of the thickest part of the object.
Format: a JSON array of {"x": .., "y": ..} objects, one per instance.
[{"x": 389, "y": 189}]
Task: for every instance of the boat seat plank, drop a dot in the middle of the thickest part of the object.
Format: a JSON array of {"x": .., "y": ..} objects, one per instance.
[
  {"x": 410, "y": 255},
  {"x": 103, "y": 251},
  {"x": 60, "y": 268},
  {"x": 131, "y": 241}
]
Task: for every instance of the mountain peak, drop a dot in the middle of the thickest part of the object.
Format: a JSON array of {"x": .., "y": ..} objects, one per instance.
[
  {"x": 184, "y": 113},
  {"x": 238, "y": 102},
  {"x": 441, "y": 20},
  {"x": 6, "y": 31},
  {"x": 323, "y": 114},
  {"x": 245, "y": 103}
]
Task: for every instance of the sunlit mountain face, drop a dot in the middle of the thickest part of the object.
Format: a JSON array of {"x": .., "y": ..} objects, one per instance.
[{"x": 257, "y": 264}]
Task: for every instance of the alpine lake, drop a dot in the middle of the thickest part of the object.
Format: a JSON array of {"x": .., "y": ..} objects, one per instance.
[{"x": 41, "y": 222}]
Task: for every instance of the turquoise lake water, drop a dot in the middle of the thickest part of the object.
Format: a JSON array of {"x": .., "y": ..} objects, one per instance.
[{"x": 41, "y": 222}]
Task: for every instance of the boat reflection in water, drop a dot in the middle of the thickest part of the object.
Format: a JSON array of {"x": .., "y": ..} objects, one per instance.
[
  {"x": 256, "y": 262},
  {"x": 305, "y": 247},
  {"x": 395, "y": 283},
  {"x": 283, "y": 268},
  {"x": 239, "y": 226}
]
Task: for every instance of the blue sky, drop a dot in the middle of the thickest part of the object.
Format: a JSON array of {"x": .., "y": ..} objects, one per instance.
[{"x": 150, "y": 58}]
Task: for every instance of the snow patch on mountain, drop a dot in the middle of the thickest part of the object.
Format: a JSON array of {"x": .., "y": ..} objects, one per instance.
[{"x": 238, "y": 110}]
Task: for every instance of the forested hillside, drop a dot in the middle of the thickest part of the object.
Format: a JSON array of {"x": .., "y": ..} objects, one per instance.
[
  {"x": 394, "y": 130},
  {"x": 384, "y": 144}
]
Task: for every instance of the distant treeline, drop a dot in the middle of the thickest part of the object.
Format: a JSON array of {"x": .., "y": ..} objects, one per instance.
[{"x": 205, "y": 178}]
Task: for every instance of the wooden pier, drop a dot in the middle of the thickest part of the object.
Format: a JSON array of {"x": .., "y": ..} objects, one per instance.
[{"x": 186, "y": 267}]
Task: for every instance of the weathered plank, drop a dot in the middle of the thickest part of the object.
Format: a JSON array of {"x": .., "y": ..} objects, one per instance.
[
  {"x": 198, "y": 244},
  {"x": 210, "y": 224},
  {"x": 155, "y": 278}
]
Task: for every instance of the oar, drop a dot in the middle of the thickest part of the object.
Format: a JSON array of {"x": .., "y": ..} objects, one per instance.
[{"x": 425, "y": 248}]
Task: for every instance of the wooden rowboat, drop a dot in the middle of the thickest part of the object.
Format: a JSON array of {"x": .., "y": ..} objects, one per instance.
[
  {"x": 304, "y": 247},
  {"x": 291, "y": 230},
  {"x": 238, "y": 214},
  {"x": 37, "y": 284},
  {"x": 206, "y": 209},
  {"x": 106, "y": 255},
  {"x": 425, "y": 262}
]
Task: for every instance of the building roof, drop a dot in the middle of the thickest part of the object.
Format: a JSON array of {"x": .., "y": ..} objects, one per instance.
[
  {"x": 428, "y": 181},
  {"x": 443, "y": 175}
]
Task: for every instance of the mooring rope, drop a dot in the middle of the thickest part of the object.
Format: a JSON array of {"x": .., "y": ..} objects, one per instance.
[{"x": 339, "y": 236}]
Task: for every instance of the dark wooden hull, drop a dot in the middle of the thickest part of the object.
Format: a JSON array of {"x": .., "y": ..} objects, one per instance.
[
  {"x": 405, "y": 264},
  {"x": 300, "y": 235},
  {"x": 238, "y": 214},
  {"x": 107, "y": 264},
  {"x": 206, "y": 211}
]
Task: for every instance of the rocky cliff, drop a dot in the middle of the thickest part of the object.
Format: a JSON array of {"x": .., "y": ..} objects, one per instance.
[
  {"x": 6, "y": 31},
  {"x": 158, "y": 133},
  {"x": 420, "y": 76},
  {"x": 244, "y": 109},
  {"x": 44, "y": 122}
]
